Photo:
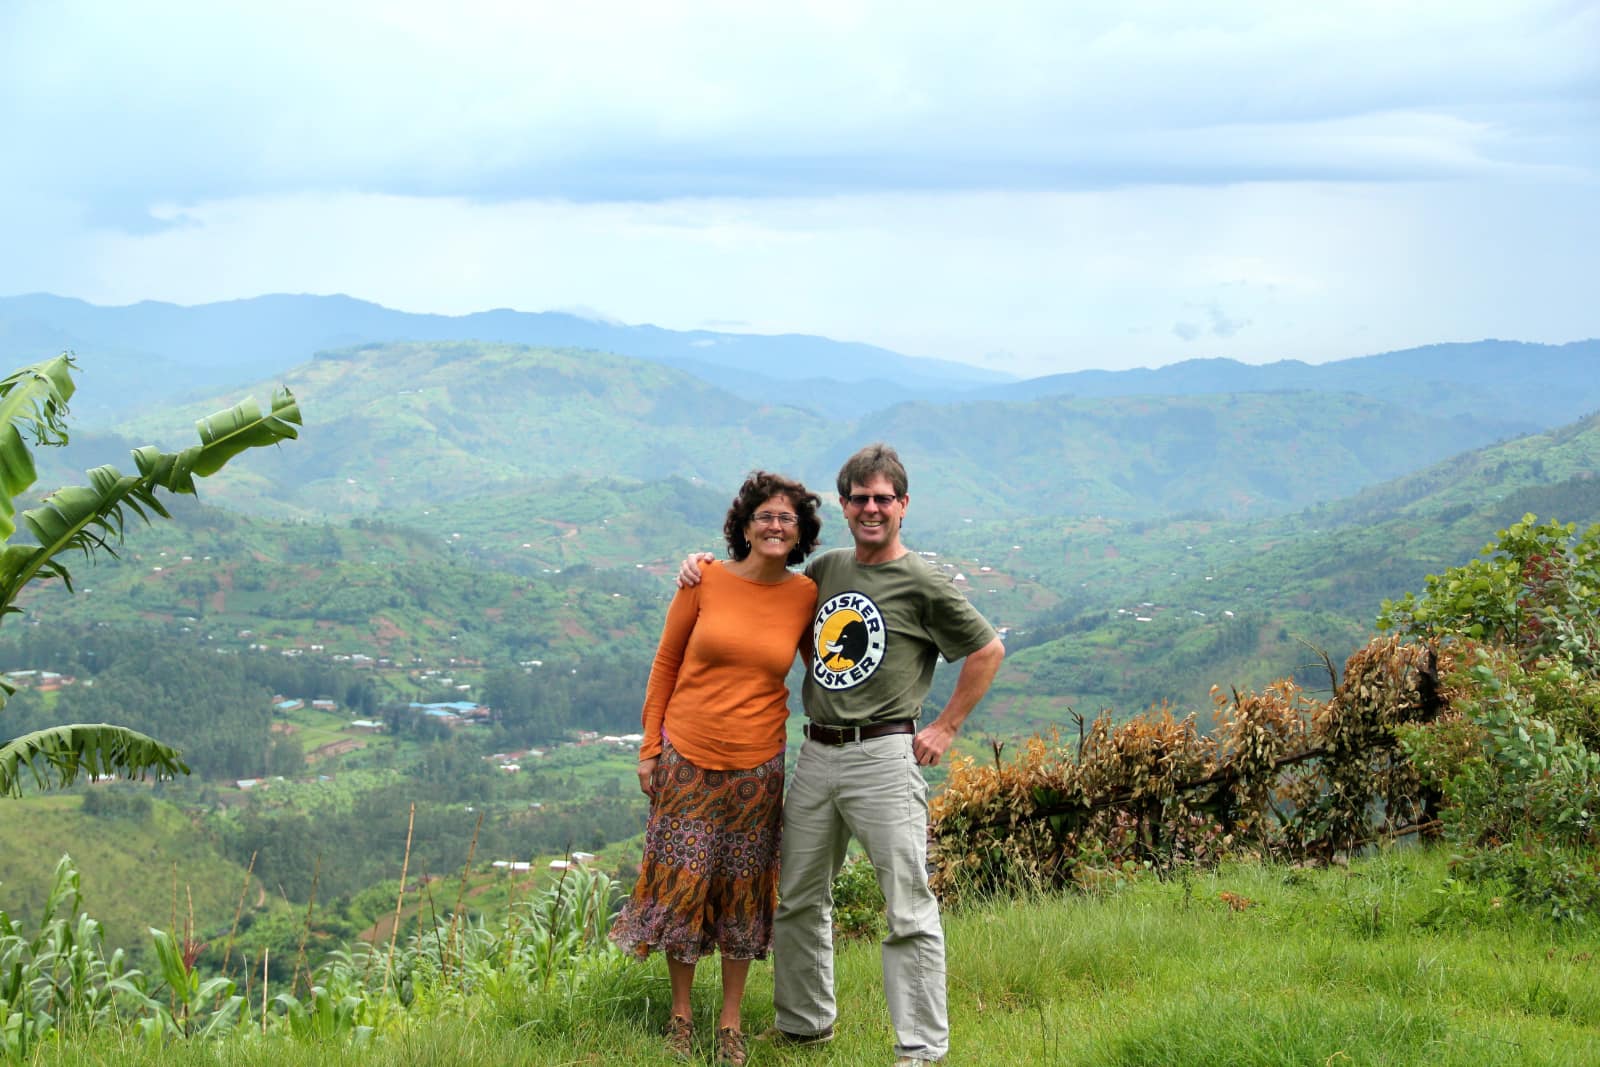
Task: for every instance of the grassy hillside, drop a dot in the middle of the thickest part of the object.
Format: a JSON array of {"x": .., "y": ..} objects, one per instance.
[
  {"x": 131, "y": 865},
  {"x": 1385, "y": 962},
  {"x": 609, "y": 523}
]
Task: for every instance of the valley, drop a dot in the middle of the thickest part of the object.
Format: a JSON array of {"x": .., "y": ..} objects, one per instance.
[{"x": 497, "y": 525}]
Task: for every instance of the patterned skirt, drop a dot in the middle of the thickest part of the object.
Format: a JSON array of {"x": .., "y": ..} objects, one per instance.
[{"x": 709, "y": 879}]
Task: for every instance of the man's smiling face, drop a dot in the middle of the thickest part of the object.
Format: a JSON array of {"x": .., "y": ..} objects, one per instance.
[{"x": 873, "y": 513}]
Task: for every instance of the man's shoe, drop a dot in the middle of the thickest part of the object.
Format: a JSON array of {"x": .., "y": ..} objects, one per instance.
[
  {"x": 784, "y": 1039},
  {"x": 679, "y": 1038},
  {"x": 730, "y": 1046},
  {"x": 912, "y": 1061}
]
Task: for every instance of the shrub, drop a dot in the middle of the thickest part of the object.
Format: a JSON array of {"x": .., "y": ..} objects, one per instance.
[
  {"x": 1535, "y": 591},
  {"x": 858, "y": 905},
  {"x": 1521, "y": 781}
]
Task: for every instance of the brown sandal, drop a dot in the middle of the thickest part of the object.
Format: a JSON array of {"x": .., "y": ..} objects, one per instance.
[
  {"x": 730, "y": 1046},
  {"x": 679, "y": 1037}
]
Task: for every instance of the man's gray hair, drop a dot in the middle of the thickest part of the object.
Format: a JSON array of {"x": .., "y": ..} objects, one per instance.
[{"x": 877, "y": 458}]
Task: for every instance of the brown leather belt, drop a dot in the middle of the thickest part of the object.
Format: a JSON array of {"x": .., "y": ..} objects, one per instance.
[{"x": 843, "y": 735}]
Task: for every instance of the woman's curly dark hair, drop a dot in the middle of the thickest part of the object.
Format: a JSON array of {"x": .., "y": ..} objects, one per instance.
[{"x": 757, "y": 489}]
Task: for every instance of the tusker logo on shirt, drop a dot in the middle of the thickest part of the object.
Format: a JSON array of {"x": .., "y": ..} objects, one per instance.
[{"x": 848, "y": 638}]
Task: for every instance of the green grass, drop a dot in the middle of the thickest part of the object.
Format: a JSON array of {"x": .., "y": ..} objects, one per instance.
[
  {"x": 129, "y": 867},
  {"x": 1384, "y": 963}
]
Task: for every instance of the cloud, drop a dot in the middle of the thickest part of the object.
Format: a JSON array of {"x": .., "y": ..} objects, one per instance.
[
  {"x": 1222, "y": 325},
  {"x": 123, "y": 106},
  {"x": 1218, "y": 324},
  {"x": 1050, "y": 279},
  {"x": 1035, "y": 184}
]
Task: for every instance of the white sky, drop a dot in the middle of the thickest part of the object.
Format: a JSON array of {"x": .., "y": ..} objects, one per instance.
[{"x": 1033, "y": 187}]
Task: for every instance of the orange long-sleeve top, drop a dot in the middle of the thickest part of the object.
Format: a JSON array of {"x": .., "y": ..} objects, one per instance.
[{"x": 716, "y": 686}]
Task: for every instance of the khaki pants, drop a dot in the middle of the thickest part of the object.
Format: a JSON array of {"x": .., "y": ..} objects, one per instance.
[{"x": 871, "y": 790}]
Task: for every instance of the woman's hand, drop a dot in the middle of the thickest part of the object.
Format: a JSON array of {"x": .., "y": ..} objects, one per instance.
[{"x": 647, "y": 776}]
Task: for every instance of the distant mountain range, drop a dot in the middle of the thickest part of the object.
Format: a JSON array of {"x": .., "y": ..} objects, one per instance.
[
  {"x": 502, "y": 440},
  {"x": 151, "y": 353},
  {"x": 215, "y": 345},
  {"x": 1542, "y": 385}
]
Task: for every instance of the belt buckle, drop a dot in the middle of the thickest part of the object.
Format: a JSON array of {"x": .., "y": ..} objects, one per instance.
[{"x": 836, "y": 735}]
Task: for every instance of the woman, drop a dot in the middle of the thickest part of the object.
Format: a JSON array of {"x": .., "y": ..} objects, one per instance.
[{"x": 712, "y": 758}]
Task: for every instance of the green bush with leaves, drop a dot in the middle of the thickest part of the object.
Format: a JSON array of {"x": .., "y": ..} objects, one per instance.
[
  {"x": 858, "y": 907},
  {"x": 1519, "y": 769},
  {"x": 1536, "y": 591},
  {"x": 1522, "y": 783}
]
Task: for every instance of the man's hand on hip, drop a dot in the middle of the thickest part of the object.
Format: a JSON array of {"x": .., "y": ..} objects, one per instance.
[
  {"x": 977, "y": 671},
  {"x": 931, "y": 743}
]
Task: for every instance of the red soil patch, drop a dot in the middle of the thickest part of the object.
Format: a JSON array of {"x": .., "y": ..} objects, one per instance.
[
  {"x": 336, "y": 748},
  {"x": 385, "y": 630}
]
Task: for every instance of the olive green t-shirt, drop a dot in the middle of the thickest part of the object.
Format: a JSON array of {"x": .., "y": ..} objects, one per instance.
[{"x": 877, "y": 634}]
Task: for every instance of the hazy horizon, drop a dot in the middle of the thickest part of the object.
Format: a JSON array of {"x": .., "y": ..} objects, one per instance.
[
  {"x": 590, "y": 315},
  {"x": 1034, "y": 189}
]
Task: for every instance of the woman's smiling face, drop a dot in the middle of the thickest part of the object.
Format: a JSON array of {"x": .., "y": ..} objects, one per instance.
[{"x": 774, "y": 530}]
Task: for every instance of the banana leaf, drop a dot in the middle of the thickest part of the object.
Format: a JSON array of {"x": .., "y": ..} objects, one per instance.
[
  {"x": 58, "y": 755},
  {"x": 33, "y": 398},
  {"x": 90, "y": 518}
]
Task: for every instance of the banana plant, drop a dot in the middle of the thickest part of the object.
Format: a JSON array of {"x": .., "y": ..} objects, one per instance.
[
  {"x": 325, "y": 1017},
  {"x": 88, "y": 519},
  {"x": 60, "y": 979},
  {"x": 197, "y": 1007}
]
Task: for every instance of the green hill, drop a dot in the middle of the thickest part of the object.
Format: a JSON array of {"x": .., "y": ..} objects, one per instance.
[
  {"x": 1388, "y": 960},
  {"x": 1103, "y": 611},
  {"x": 1239, "y": 455},
  {"x": 370, "y": 586},
  {"x": 1165, "y": 611},
  {"x": 141, "y": 861},
  {"x": 406, "y": 430}
]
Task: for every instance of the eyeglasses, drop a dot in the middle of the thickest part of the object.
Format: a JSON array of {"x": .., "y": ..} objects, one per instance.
[
  {"x": 860, "y": 500},
  {"x": 782, "y": 518}
]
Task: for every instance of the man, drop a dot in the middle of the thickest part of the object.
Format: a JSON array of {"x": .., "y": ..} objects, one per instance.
[{"x": 884, "y": 617}]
